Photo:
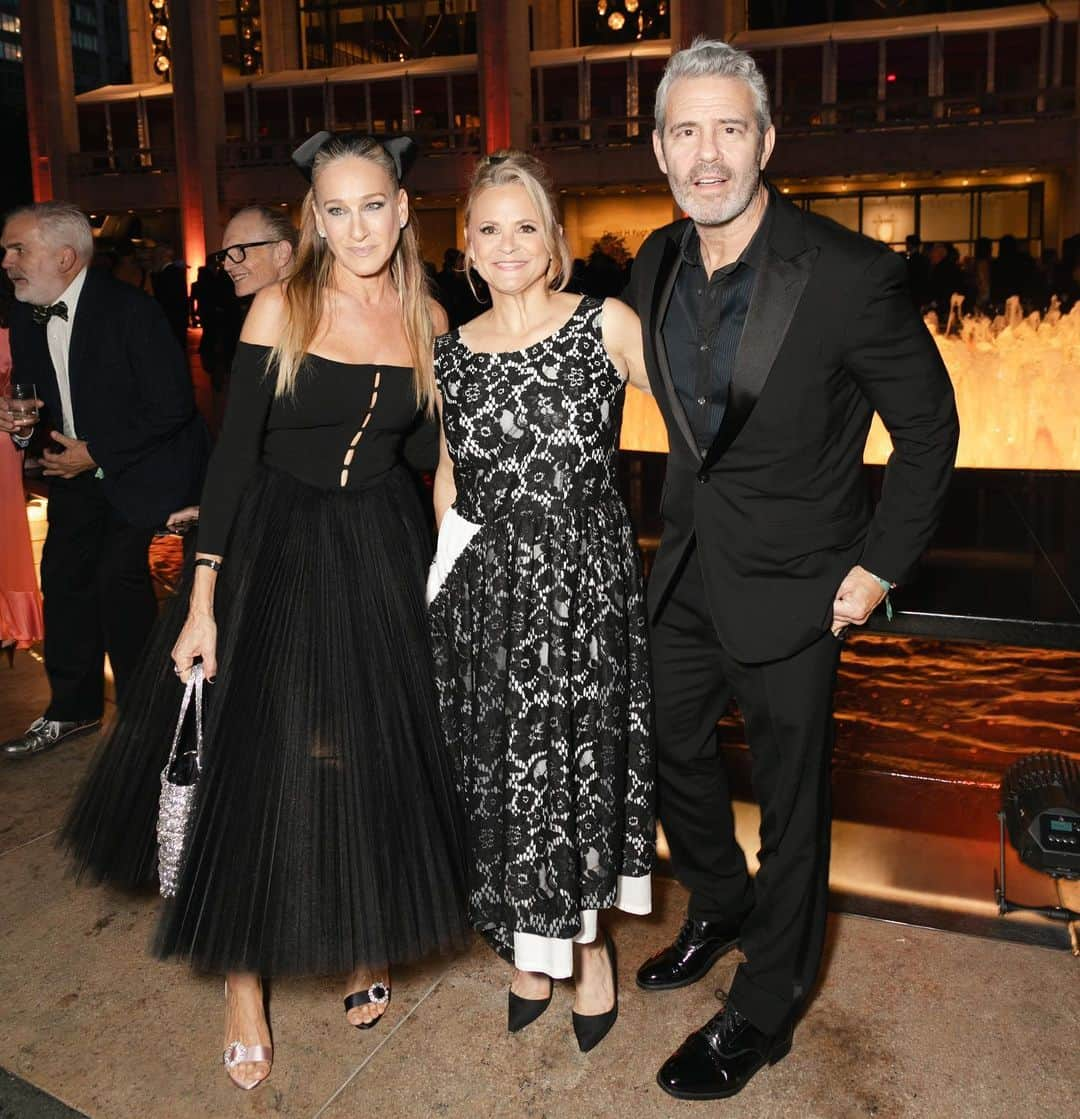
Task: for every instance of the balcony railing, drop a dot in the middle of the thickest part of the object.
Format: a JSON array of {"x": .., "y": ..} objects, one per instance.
[
  {"x": 598, "y": 132},
  {"x": 921, "y": 112},
  {"x": 123, "y": 161},
  {"x": 276, "y": 153}
]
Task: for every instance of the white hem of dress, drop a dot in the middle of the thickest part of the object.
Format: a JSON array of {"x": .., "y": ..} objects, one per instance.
[
  {"x": 454, "y": 535},
  {"x": 555, "y": 957}
]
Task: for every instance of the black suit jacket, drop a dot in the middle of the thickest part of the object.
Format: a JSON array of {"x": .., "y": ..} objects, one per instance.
[
  {"x": 130, "y": 392},
  {"x": 778, "y": 504}
]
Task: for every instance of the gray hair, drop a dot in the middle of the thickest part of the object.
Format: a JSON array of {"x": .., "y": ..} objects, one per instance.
[
  {"x": 276, "y": 223},
  {"x": 63, "y": 225},
  {"x": 706, "y": 58}
]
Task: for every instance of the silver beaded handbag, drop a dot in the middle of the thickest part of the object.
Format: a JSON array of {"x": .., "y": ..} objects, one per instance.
[{"x": 179, "y": 784}]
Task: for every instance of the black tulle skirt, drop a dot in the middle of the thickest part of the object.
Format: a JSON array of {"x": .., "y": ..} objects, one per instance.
[{"x": 328, "y": 832}]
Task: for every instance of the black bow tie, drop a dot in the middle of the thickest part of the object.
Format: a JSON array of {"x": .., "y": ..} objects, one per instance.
[{"x": 43, "y": 314}]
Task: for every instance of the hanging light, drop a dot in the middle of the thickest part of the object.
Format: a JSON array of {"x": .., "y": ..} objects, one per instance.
[
  {"x": 631, "y": 5},
  {"x": 249, "y": 33},
  {"x": 616, "y": 21},
  {"x": 159, "y": 36},
  {"x": 601, "y": 7}
]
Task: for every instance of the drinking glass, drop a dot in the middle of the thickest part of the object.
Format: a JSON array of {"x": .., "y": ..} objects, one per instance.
[{"x": 23, "y": 403}]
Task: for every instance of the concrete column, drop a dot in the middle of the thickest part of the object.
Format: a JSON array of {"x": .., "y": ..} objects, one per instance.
[
  {"x": 505, "y": 78},
  {"x": 139, "y": 42},
  {"x": 280, "y": 36},
  {"x": 199, "y": 122},
  {"x": 52, "y": 121},
  {"x": 553, "y": 25}
]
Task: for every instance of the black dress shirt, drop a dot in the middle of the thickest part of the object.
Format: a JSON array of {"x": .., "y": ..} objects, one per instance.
[{"x": 704, "y": 324}]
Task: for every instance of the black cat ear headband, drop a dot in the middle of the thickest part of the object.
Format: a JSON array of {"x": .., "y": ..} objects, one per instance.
[{"x": 403, "y": 150}]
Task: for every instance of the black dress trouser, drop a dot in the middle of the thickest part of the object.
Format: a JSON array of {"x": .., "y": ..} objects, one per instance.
[
  {"x": 787, "y": 709},
  {"x": 98, "y": 597}
]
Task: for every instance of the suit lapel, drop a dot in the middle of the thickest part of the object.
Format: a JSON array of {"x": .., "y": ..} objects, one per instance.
[
  {"x": 777, "y": 292},
  {"x": 667, "y": 273}
]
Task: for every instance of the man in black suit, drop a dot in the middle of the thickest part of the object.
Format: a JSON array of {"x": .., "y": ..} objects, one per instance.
[
  {"x": 771, "y": 337},
  {"x": 129, "y": 448}
]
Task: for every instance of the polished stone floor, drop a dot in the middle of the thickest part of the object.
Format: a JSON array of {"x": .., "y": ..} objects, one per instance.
[{"x": 909, "y": 1022}]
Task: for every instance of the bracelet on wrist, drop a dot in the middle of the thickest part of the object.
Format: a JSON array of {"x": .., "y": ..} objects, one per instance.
[{"x": 214, "y": 565}]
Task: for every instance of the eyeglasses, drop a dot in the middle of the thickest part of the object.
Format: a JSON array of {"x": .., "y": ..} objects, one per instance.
[{"x": 237, "y": 253}]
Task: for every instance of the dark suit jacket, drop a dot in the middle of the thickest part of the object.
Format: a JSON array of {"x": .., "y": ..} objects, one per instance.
[
  {"x": 131, "y": 394},
  {"x": 778, "y": 505}
]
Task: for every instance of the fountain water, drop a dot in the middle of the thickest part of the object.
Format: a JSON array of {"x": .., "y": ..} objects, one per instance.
[{"x": 1017, "y": 384}]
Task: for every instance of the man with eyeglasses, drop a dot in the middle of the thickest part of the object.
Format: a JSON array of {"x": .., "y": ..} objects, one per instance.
[{"x": 257, "y": 250}]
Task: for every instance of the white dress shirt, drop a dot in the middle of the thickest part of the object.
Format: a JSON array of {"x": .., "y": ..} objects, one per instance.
[{"x": 58, "y": 335}]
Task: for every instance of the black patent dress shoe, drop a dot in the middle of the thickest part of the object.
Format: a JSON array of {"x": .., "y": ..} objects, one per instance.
[
  {"x": 43, "y": 734},
  {"x": 719, "y": 1059},
  {"x": 694, "y": 951}
]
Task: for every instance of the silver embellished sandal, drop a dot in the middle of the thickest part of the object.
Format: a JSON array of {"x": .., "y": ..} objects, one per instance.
[
  {"x": 377, "y": 994},
  {"x": 237, "y": 1053}
]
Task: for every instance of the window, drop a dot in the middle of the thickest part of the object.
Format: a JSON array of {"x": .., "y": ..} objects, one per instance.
[
  {"x": 557, "y": 101},
  {"x": 235, "y": 117},
  {"x": 965, "y": 72},
  {"x": 308, "y": 113},
  {"x": 465, "y": 90},
  {"x": 159, "y": 119},
  {"x": 92, "y": 134},
  {"x": 350, "y": 106},
  {"x": 907, "y": 78},
  {"x": 1003, "y": 212},
  {"x": 607, "y": 86},
  {"x": 801, "y": 85},
  {"x": 430, "y": 109},
  {"x": 12, "y": 52},
  {"x": 843, "y": 210},
  {"x": 10, "y": 23},
  {"x": 945, "y": 217},
  {"x": 1016, "y": 68},
  {"x": 857, "y": 82},
  {"x": 616, "y": 21},
  {"x": 650, "y": 71},
  {"x": 387, "y": 105},
  {"x": 346, "y": 32},
  {"x": 272, "y": 114},
  {"x": 889, "y": 218}
]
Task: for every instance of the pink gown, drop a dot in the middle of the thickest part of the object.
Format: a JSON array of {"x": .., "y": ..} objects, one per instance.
[{"x": 20, "y": 600}]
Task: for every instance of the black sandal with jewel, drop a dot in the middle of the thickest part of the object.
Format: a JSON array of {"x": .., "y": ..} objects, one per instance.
[{"x": 377, "y": 994}]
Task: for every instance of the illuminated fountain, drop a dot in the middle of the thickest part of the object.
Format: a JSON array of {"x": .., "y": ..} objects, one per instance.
[{"x": 1017, "y": 384}]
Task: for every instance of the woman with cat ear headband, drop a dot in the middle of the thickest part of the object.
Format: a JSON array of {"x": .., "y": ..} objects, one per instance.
[{"x": 327, "y": 834}]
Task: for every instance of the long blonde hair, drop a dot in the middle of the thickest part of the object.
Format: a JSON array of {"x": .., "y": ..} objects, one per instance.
[
  {"x": 515, "y": 168},
  {"x": 308, "y": 285}
]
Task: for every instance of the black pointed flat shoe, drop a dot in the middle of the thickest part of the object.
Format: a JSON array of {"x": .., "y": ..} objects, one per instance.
[
  {"x": 523, "y": 1012},
  {"x": 591, "y": 1029},
  {"x": 378, "y": 993}
]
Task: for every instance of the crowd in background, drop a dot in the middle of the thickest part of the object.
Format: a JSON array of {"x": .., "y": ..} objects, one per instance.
[{"x": 937, "y": 271}]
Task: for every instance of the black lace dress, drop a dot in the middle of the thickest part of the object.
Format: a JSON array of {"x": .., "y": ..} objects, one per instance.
[
  {"x": 328, "y": 830},
  {"x": 539, "y": 630}
]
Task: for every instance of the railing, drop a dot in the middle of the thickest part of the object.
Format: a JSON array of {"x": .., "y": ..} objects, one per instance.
[
  {"x": 599, "y": 132},
  {"x": 237, "y": 154},
  {"x": 123, "y": 161},
  {"x": 935, "y": 112},
  {"x": 921, "y": 112}
]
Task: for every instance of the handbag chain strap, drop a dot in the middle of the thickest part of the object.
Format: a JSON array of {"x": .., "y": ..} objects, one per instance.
[{"x": 194, "y": 687}]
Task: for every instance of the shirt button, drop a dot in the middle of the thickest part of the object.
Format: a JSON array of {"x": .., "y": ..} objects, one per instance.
[{"x": 701, "y": 401}]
